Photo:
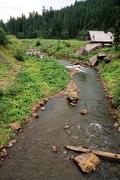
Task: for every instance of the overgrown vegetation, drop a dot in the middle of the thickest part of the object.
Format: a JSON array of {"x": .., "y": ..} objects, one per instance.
[
  {"x": 3, "y": 37},
  {"x": 38, "y": 43},
  {"x": 19, "y": 54},
  {"x": 57, "y": 48},
  {"x": 26, "y": 83},
  {"x": 111, "y": 74}
]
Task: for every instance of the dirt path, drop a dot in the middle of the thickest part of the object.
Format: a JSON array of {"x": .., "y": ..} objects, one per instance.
[{"x": 31, "y": 157}]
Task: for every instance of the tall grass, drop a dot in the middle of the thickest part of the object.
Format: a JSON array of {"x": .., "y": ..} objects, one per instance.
[{"x": 57, "y": 48}]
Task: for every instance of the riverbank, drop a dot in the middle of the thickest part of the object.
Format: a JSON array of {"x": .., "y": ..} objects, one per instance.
[{"x": 110, "y": 75}]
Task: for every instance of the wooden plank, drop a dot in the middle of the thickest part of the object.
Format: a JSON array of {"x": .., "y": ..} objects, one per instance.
[{"x": 97, "y": 152}]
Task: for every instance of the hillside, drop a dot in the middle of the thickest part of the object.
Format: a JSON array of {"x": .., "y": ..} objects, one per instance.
[{"x": 9, "y": 66}]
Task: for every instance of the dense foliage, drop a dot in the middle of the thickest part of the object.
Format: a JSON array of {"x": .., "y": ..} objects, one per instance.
[
  {"x": 111, "y": 75},
  {"x": 68, "y": 22},
  {"x": 3, "y": 38}
]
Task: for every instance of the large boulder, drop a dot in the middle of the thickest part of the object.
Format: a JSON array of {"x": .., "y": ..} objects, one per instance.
[
  {"x": 92, "y": 47},
  {"x": 101, "y": 55},
  {"x": 83, "y": 111},
  {"x": 93, "y": 60},
  {"x": 73, "y": 96},
  {"x": 72, "y": 92},
  {"x": 80, "y": 51},
  {"x": 107, "y": 59},
  {"x": 88, "y": 162}
]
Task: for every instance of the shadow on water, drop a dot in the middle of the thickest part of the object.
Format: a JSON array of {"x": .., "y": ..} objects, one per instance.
[{"x": 31, "y": 157}]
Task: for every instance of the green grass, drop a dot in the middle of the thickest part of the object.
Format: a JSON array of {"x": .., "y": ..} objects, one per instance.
[
  {"x": 3, "y": 70},
  {"x": 32, "y": 80},
  {"x": 110, "y": 73},
  {"x": 57, "y": 48},
  {"x": 9, "y": 66}
]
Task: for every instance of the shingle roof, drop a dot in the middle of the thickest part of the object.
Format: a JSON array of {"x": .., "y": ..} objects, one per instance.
[{"x": 101, "y": 36}]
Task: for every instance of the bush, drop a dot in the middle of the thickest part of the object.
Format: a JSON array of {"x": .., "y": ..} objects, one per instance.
[
  {"x": 19, "y": 55},
  {"x": 58, "y": 48},
  {"x": 67, "y": 44},
  {"x": 38, "y": 43},
  {"x": 3, "y": 38},
  {"x": 117, "y": 98},
  {"x": 1, "y": 93}
]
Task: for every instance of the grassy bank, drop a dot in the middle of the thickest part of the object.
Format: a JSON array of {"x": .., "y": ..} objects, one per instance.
[
  {"x": 8, "y": 63},
  {"x": 26, "y": 82},
  {"x": 110, "y": 74},
  {"x": 57, "y": 48}
]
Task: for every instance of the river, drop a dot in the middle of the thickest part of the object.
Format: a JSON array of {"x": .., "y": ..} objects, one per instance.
[{"x": 31, "y": 157}]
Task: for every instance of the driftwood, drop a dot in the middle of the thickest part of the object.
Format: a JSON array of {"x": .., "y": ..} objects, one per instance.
[{"x": 96, "y": 152}]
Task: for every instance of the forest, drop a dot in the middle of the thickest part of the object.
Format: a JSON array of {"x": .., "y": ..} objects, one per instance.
[{"x": 69, "y": 22}]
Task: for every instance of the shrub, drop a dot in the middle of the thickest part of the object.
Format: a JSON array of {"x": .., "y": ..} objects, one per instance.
[
  {"x": 67, "y": 44},
  {"x": 58, "y": 48},
  {"x": 38, "y": 43},
  {"x": 3, "y": 38},
  {"x": 19, "y": 55},
  {"x": 1, "y": 93}
]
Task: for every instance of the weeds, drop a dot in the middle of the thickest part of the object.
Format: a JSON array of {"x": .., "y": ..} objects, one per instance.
[
  {"x": 38, "y": 43},
  {"x": 57, "y": 48},
  {"x": 19, "y": 54},
  {"x": 111, "y": 75},
  {"x": 36, "y": 80}
]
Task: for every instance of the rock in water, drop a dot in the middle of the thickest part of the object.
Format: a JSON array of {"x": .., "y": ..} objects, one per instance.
[
  {"x": 73, "y": 96},
  {"x": 35, "y": 115},
  {"x": 83, "y": 111},
  {"x": 43, "y": 108},
  {"x": 67, "y": 127},
  {"x": 54, "y": 149},
  {"x": 73, "y": 104},
  {"x": 116, "y": 124},
  {"x": 10, "y": 144},
  {"x": 93, "y": 60},
  {"x": 88, "y": 162},
  {"x": 72, "y": 92},
  {"x": 3, "y": 153}
]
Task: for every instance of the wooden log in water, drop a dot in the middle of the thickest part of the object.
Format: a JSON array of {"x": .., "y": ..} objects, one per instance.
[{"x": 96, "y": 152}]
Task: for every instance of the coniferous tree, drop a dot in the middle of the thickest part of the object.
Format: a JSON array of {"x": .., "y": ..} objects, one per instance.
[{"x": 67, "y": 22}]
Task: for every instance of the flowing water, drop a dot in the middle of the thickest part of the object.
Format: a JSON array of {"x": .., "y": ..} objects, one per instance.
[{"x": 32, "y": 159}]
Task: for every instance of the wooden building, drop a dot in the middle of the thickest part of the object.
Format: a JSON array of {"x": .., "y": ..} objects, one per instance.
[{"x": 101, "y": 37}]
